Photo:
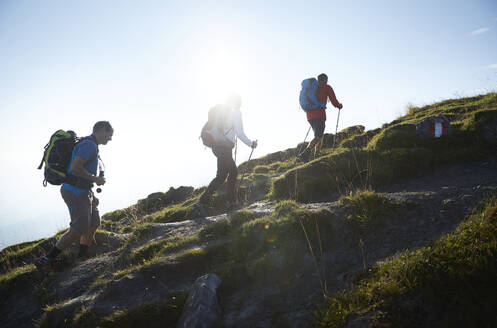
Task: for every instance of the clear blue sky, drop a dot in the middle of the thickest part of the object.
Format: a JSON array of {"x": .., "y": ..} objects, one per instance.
[{"x": 154, "y": 68}]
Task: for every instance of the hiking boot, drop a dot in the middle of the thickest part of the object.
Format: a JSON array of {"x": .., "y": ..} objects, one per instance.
[
  {"x": 200, "y": 209},
  {"x": 44, "y": 265}
]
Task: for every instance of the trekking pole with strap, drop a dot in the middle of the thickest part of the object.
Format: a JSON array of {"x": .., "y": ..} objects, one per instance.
[
  {"x": 298, "y": 148},
  {"x": 336, "y": 129},
  {"x": 243, "y": 175}
]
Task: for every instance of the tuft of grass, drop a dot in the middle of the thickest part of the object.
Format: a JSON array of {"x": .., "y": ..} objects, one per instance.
[
  {"x": 261, "y": 169},
  {"x": 22, "y": 254},
  {"x": 397, "y": 136},
  {"x": 450, "y": 283},
  {"x": 359, "y": 140},
  {"x": 151, "y": 250},
  {"x": 163, "y": 314},
  {"x": 346, "y": 133},
  {"x": 369, "y": 209},
  {"x": 319, "y": 179},
  {"x": 272, "y": 248},
  {"x": 17, "y": 278},
  {"x": 170, "y": 214},
  {"x": 181, "y": 258}
]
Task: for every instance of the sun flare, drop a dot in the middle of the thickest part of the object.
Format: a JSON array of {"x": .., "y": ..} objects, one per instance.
[{"x": 220, "y": 73}]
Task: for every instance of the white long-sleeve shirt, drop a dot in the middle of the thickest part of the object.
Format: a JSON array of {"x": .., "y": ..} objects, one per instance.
[{"x": 234, "y": 128}]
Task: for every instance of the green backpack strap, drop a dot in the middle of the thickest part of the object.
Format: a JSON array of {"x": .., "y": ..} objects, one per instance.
[{"x": 57, "y": 135}]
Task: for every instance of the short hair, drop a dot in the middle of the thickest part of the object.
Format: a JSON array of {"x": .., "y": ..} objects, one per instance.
[
  {"x": 323, "y": 78},
  {"x": 102, "y": 125}
]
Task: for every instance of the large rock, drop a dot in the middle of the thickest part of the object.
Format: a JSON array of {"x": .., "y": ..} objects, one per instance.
[
  {"x": 158, "y": 200},
  {"x": 201, "y": 309},
  {"x": 329, "y": 138}
]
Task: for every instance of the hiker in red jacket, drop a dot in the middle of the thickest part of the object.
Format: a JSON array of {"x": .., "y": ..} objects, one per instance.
[{"x": 317, "y": 117}]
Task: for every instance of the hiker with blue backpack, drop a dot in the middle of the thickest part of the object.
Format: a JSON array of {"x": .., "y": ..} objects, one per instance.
[
  {"x": 223, "y": 127},
  {"x": 77, "y": 173},
  {"x": 313, "y": 99}
]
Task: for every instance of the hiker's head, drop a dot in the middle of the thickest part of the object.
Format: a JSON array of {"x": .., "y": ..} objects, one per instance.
[
  {"x": 103, "y": 132},
  {"x": 322, "y": 78},
  {"x": 234, "y": 101}
]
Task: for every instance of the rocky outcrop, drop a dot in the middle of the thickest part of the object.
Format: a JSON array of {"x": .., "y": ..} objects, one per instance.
[
  {"x": 159, "y": 200},
  {"x": 201, "y": 309}
]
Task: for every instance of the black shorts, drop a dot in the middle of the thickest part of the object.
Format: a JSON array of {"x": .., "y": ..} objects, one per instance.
[{"x": 317, "y": 125}]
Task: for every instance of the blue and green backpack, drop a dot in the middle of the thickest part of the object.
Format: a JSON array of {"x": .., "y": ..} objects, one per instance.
[{"x": 57, "y": 156}]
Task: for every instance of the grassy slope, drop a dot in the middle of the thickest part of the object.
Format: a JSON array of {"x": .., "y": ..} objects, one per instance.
[
  {"x": 371, "y": 159},
  {"x": 450, "y": 283},
  {"x": 363, "y": 159}
]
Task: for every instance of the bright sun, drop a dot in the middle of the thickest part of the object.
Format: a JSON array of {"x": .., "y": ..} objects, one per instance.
[{"x": 222, "y": 72}]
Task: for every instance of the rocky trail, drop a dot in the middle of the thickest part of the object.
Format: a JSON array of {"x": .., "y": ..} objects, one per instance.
[{"x": 432, "y": 204}]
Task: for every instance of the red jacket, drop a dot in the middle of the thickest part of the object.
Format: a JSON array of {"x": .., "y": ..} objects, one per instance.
[{"x": 325, "y": 92}]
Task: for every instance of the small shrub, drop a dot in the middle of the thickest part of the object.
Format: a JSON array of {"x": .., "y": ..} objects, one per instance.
[{"x": 369, "y": 209}]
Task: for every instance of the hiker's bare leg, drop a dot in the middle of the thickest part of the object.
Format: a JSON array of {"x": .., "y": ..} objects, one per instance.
[
  {"x": 88, "y": 238},
  {"x": 319, "y": 144},
  {"x": 67, "y": 239},
  {"x": 312, "y": 144}
]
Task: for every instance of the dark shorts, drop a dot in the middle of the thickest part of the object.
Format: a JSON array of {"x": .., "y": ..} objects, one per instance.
[
  {"x": 318, "y": 125},
  {"x": 83, "y": 210}
]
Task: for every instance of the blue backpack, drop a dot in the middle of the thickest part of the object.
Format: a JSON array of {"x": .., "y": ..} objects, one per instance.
[{"x": 308, "y": 95}]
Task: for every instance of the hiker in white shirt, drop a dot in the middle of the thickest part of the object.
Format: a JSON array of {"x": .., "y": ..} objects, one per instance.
[{"x": 232, "y": 128}]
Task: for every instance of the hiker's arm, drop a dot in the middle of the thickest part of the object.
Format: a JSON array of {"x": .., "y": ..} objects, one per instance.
[
  {"x": 78, "y": 168},
  {"x": 238, "y": 125},
  {"x": 333, "y": 98}
]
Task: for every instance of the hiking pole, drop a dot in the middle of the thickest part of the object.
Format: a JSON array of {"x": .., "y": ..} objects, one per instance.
[
  {"x": 336, "y": 129},
  {"x": 101, "y": 168},
  {"x": 298, "y": 148},
  {"x": 243, "y": 175}
]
